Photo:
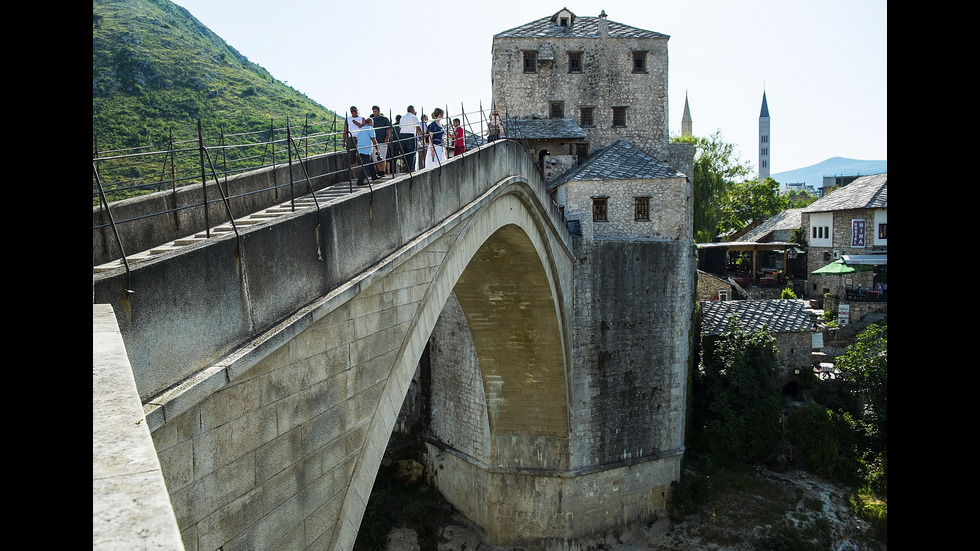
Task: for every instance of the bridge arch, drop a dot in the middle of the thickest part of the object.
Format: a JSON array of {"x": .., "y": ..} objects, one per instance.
[{"x": 510, "y": 274}]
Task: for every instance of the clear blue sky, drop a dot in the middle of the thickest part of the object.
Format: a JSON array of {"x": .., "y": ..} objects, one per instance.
[{"x": 823, "y": 65}]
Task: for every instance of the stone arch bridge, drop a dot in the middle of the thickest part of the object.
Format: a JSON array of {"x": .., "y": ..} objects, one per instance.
[{"x": 272, "y": 365}]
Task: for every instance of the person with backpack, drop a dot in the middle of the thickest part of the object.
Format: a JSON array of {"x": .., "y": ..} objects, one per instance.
[{"x": 496, "y": 128}]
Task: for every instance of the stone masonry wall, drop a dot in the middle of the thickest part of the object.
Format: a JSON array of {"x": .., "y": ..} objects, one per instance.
[
  {"x": 606, "y": 81},
  {"x": 818, "y": 257},
  {"x": 633, "y": 303},
  {"x": 669, "y": 198},
  {"x": 457, "y": 406}
]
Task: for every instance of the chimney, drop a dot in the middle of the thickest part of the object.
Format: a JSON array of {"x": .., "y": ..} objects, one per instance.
[{"x": 603, "y": 25}]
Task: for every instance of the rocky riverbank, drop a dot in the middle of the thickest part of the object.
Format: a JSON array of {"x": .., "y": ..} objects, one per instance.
[{"x": 765, "y": 511}]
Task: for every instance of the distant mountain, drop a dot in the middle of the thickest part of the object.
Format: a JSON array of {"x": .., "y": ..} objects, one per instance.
[{"x": 834, "y": 166}]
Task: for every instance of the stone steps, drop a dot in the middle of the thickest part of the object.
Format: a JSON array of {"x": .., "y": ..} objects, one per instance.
[{"x": 323, "y": 197}]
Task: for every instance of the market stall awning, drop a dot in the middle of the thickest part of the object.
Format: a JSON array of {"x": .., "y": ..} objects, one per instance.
[
  {"x": 865, "y": 259},
  {"x": 838, "y": 267}
]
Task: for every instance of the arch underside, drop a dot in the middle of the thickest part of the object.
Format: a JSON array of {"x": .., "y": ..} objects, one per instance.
[
  {"x": 510, "y": 310},
  {"x": 503, "y": 269}
]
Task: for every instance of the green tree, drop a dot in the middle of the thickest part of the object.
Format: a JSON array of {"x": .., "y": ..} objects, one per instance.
[
  {"x": 736, "y": 411},
  {"x": 864, "y": 366},
  {"x": 798, "y": 199},
  {"x": 716, "y": 168},
  {"x": 750, "y": 200}
]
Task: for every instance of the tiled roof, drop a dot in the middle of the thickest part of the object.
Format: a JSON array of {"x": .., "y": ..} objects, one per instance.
[
  {"x": 780, "y": 316},
  {"x": 789, "y": 219},
  {"x": 581, "y": 27},
  {"x": 543, "y": 129},
  {"x": 620, "y": 161},
  {"x": 867, "y": 192}
]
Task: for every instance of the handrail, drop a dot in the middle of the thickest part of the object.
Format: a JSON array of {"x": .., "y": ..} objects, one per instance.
[
  {"x": 115, "y": 231},
  {"x": 241, "y": 152}
]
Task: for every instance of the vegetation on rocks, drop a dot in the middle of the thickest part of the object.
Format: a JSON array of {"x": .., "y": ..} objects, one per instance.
[{"x": 838, "y": 434}]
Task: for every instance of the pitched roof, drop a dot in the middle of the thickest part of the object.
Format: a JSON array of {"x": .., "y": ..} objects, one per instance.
[
  {"x": 620, "y": 161},
  {"x": 789, "y": 219},
  {"x": 581, "y": 27},
  {"x": 867, "y": 192},
  {"x": 779, "y": 315},
  {"x": 543, "y": 129}
]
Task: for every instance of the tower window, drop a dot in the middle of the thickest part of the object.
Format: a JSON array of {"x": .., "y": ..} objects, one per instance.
[
  {"x": 619, "y": 117},
  {"x": 588, "y": 117},
  {"x": 557, "y": 110},
  {"x": 599, "y": 212},
  {"x": 531, "y": 62},
  {"x": 574, "y": 62},
  {"x": 639, "y": 62},
  {"x": 641, "y": 208}
]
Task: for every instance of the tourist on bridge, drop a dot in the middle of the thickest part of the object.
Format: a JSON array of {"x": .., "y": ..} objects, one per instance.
[
  {"x": 437, "y": 150},
  {"x": 459, "y": 144},
  {"x": 352, "y": 124},
  {"x": 409, "y": 133},
  {"x": 424, "y": 146},
  {"x": 382, "y": 132},
  {"x": 367, "y": 144},
  {"x": 395, "y": 158},
  {"x": 495, "y": 129}
]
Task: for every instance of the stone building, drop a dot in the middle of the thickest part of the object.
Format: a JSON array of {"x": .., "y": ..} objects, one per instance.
[
  {"x": 609, "y": 77},
  {"x": 624, "y": 193},
  {"x": 587, "y": 98},
  {"x": 787, "y": 320},
  {"x": 851, "y": 223}
]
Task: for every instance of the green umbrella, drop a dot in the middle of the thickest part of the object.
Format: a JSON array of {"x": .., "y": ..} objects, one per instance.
[{"x": 838, "y": 267}]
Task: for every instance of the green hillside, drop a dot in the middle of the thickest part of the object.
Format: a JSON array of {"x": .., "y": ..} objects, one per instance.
[{"x": 157, "y": 70}]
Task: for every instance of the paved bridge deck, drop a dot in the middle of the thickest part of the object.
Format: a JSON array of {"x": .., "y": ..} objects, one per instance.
[{"x": 321, "y": 198}]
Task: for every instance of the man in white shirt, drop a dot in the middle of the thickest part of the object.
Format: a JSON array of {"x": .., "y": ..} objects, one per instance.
[{"x": 408, "y": 134}]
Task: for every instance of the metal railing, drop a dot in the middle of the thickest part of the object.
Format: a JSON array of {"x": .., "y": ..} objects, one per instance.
[{"x": 121, "y": 174}]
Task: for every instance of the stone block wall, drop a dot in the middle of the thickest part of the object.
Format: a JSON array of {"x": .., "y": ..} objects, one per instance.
[
  {"x": 669, "y": 200},
  {"x": 709, "y": 285},
  {"x": 606, "y": 81},
  {"x": 457, "y": 404},
  {"x": 633, "y": 306},
  {"x": 819, "y": 256}
]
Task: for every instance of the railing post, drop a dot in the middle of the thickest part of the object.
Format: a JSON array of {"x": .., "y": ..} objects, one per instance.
[
  {"x": 289, "y": 157},
  {"x": 204, "y": 179},
  {"x": 115, "y": 231}
]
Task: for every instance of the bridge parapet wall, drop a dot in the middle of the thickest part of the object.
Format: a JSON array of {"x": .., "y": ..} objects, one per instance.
[
  {"x": 180, "y": 313},
  {"x": 147, "y": 221}
]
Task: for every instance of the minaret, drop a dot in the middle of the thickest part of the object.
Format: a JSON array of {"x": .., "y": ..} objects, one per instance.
[
  {"x": 686, "y": 121},
  {"x": 764, "y": 140}
]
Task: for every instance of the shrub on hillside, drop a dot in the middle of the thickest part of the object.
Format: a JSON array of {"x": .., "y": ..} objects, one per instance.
[{"x": 829, "y": 440}]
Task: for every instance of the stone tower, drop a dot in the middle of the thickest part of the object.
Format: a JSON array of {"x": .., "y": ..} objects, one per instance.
[
  {"x": 609, "y": 78},
  {"x": 764, "y": 150},
  {"x": 686, "y": 122},
  {"x": 587, "y": 97}
]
